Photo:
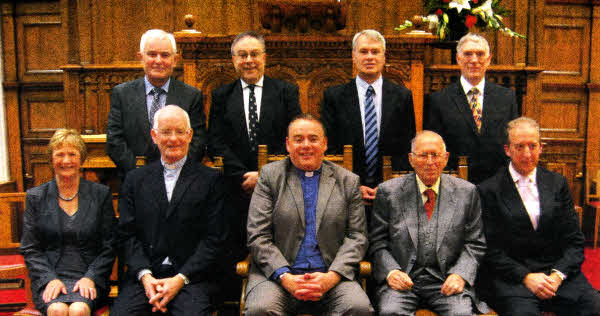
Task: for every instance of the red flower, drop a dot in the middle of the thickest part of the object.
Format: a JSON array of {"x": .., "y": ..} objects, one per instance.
[
  {"x": 439, "y": 12},
  {"x": 470, "y": 20},
  {"x": 475, "y": 1},
  {"x": 445, "y": 1}
]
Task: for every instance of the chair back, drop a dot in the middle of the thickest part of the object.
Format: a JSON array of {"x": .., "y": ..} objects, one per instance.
[
  {"x": 12, "y": 206},
  {"x": 462, "y": 170},
  {"x": 344, "y": 160}
]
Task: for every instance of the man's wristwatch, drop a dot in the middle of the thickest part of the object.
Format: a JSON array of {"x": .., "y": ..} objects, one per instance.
[
  {"x": 186, "y": 281},
  {"x": 280, "y": 278},
  {"x": 561, "y": 275}
]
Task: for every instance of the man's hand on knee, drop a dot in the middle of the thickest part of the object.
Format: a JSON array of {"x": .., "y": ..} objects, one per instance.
[
  {"x": 454, "y": 284},
  {"x": 540, "y": 285},
  {"x": 167, "y": 289},
  {"x": 399, "y": 281}
]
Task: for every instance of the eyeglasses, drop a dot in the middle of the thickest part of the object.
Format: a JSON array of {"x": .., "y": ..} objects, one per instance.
[
  {"x": 433, "y": 156},
  {"x": 253, "y": 54},
  {"x": 169, "y": 133}
]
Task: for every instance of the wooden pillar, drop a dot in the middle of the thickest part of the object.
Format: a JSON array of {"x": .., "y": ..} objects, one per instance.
[{"x": 593, "y": 128}]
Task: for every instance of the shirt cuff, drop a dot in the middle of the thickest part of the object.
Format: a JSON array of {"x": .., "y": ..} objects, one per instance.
[
  {"x": 142, "y": 273},
  {"x": 561, "y": 275},
  {"x": 186, "y": 281},
  {"x": 275, "y": 276}
]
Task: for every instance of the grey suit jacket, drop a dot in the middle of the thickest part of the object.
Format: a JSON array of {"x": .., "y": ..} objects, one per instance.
[
  {"x": 276, "y": 222},
  {"x": 394, "y": 228}
]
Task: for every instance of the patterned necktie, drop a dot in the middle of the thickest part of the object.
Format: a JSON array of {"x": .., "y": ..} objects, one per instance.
[
  {"x": 430, "y": 203},
  {"x": 253, "y": 120},
  {"x": 155, "y": 104},
  {"x": 475, "y": 107},
  {"x": 530, "y": 198},
  {"x": 371, "y": 142}
]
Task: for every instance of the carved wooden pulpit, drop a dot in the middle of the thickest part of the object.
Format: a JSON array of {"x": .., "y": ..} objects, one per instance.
[{"x": 313, "y": 62}]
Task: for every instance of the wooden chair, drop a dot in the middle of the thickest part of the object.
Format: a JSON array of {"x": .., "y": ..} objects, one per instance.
[
  {"x": 462, "y": 170},
  {"x": 344, "y": 160},
  {"x": 592, "y": 195}
]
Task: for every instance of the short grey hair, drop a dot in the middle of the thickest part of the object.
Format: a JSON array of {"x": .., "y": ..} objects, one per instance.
[
  {"x": 370, "y": 34},
  {"x": 245, "y": 34},
  {"x": 413, "y": 142},
  {"x": 520, "y": 121},
  {"x": 473, "y": 37},
  {"x": 156, "y": 33},
  {"x": 171, "y": 107}
]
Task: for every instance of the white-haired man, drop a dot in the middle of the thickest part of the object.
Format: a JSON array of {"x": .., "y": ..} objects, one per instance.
[{"x": 133, "y": 104}]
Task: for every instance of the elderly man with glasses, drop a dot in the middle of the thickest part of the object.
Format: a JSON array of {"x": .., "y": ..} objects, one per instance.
[{"x": 427, "y": 237}]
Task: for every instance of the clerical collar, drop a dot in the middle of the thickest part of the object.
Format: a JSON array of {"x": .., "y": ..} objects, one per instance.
[
  {"x": 309, "y": 174},
  {"x": 173, "y": 166}
]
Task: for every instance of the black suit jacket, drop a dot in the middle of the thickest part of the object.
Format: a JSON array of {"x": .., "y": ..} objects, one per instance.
[
  {"x": 42, "y": 239},
  {"x": 128, "y": 130},
  {"x": 228, "y": 130},
  {"x": 516, "y": 249},
  {"x": 189, "y": 229},
  {"x": 447, "y": 113},
  {"x": 341, "y": 116}
]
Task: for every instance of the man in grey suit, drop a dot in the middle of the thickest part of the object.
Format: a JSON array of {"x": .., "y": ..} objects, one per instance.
[
  {"x": 134, "y": 103},
  {"x": 306, "y": 232},
  {"x": 427, "y": 237}
]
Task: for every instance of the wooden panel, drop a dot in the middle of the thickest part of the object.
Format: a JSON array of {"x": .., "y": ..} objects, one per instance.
[{"x": 42, "y": 111}]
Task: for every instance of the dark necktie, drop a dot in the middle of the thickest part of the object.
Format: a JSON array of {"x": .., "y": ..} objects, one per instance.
[
  {"x": 252, "y": 120},
  {"x": 371, "y": 141},
  {"x": 430, "y": 204},
  {"x": 475, "y": 107},
  {"x": 156, "y": 92}
]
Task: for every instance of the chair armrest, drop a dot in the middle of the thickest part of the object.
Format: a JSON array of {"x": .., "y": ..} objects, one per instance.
[{"x": 242, "y": 267}]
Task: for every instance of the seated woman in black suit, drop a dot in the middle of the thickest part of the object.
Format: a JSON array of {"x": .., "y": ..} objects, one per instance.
[{"x": 68, "y": 234}]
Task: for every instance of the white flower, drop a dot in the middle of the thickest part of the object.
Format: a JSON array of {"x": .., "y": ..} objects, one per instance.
[
  {"x": 460, "y": 4},
  {"x": 485, "y": 8}
]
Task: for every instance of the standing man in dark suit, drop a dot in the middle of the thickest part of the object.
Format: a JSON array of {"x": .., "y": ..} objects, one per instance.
[
  {"x": 370, "y": 113},
  {"x": 306, "y": 232},
  {"x": 248, "y": 112},
  {"x": 535, "y": 243},
  {"x": 471, "y": 114},
  {"x": 133, "y": 104},
  {"x": 171, "y": 227},
  {"x": 427, "y": 237}
]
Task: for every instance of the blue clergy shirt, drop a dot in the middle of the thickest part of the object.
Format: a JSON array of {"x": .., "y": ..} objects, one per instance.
[{"x": 309, "y": 257}]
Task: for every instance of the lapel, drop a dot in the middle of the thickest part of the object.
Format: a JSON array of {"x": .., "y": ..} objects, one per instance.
[
  {"x": 545, "y": 193},
  {"x": 462, "y": 104},
  {"x": 351, "y": 95},
  {"x": 387, "y": 107},
  {"x": 446, "y": 207},
  {"x": 294, "y": 185},
  {"x": 267, "y": 103},
  {"x": 141, "y": 109},
  {"x": 85, "y": 198},
  {"x": 54, "y": 209},
  {"x": 326, "y": 185},
  {"x": 412, "y": 206},
  {"x": 512, "y": 201},
  {"x": 489, "y": 109},
  {"x": 236, "y": 108},
  {"x": 157, "y": 200},
  {"x": 186, "y": 176}
]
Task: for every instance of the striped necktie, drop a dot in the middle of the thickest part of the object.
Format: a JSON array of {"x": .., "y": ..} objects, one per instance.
[{"x": 371, "y": 141}]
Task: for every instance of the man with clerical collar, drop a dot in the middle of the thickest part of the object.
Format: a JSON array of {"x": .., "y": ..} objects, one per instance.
[
  {"x": 306, "y": 232},
  {"x": 471, "y": 114},
  {"x": 535, "y": 244},
  {"x": 427, "y": 237},
  {"x": 134, "y": 103},
  {"x": 171, "y": 227}
]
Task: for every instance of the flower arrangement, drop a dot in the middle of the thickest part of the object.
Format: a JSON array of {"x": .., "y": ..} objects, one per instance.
[{"x": 449, "y": 17}]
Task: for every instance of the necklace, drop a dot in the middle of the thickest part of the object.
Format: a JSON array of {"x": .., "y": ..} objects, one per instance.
[{"x": 68, "y": 198}]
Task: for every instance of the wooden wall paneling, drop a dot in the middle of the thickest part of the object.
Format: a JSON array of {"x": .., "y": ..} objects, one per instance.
[
  {"x": 565, "y": 156},
  {"x": 593, "y": 128},
  {"x": 11, "y": 94},
  {"x": 42, "y": 110},
  {"x": 38, "y": 168}
]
